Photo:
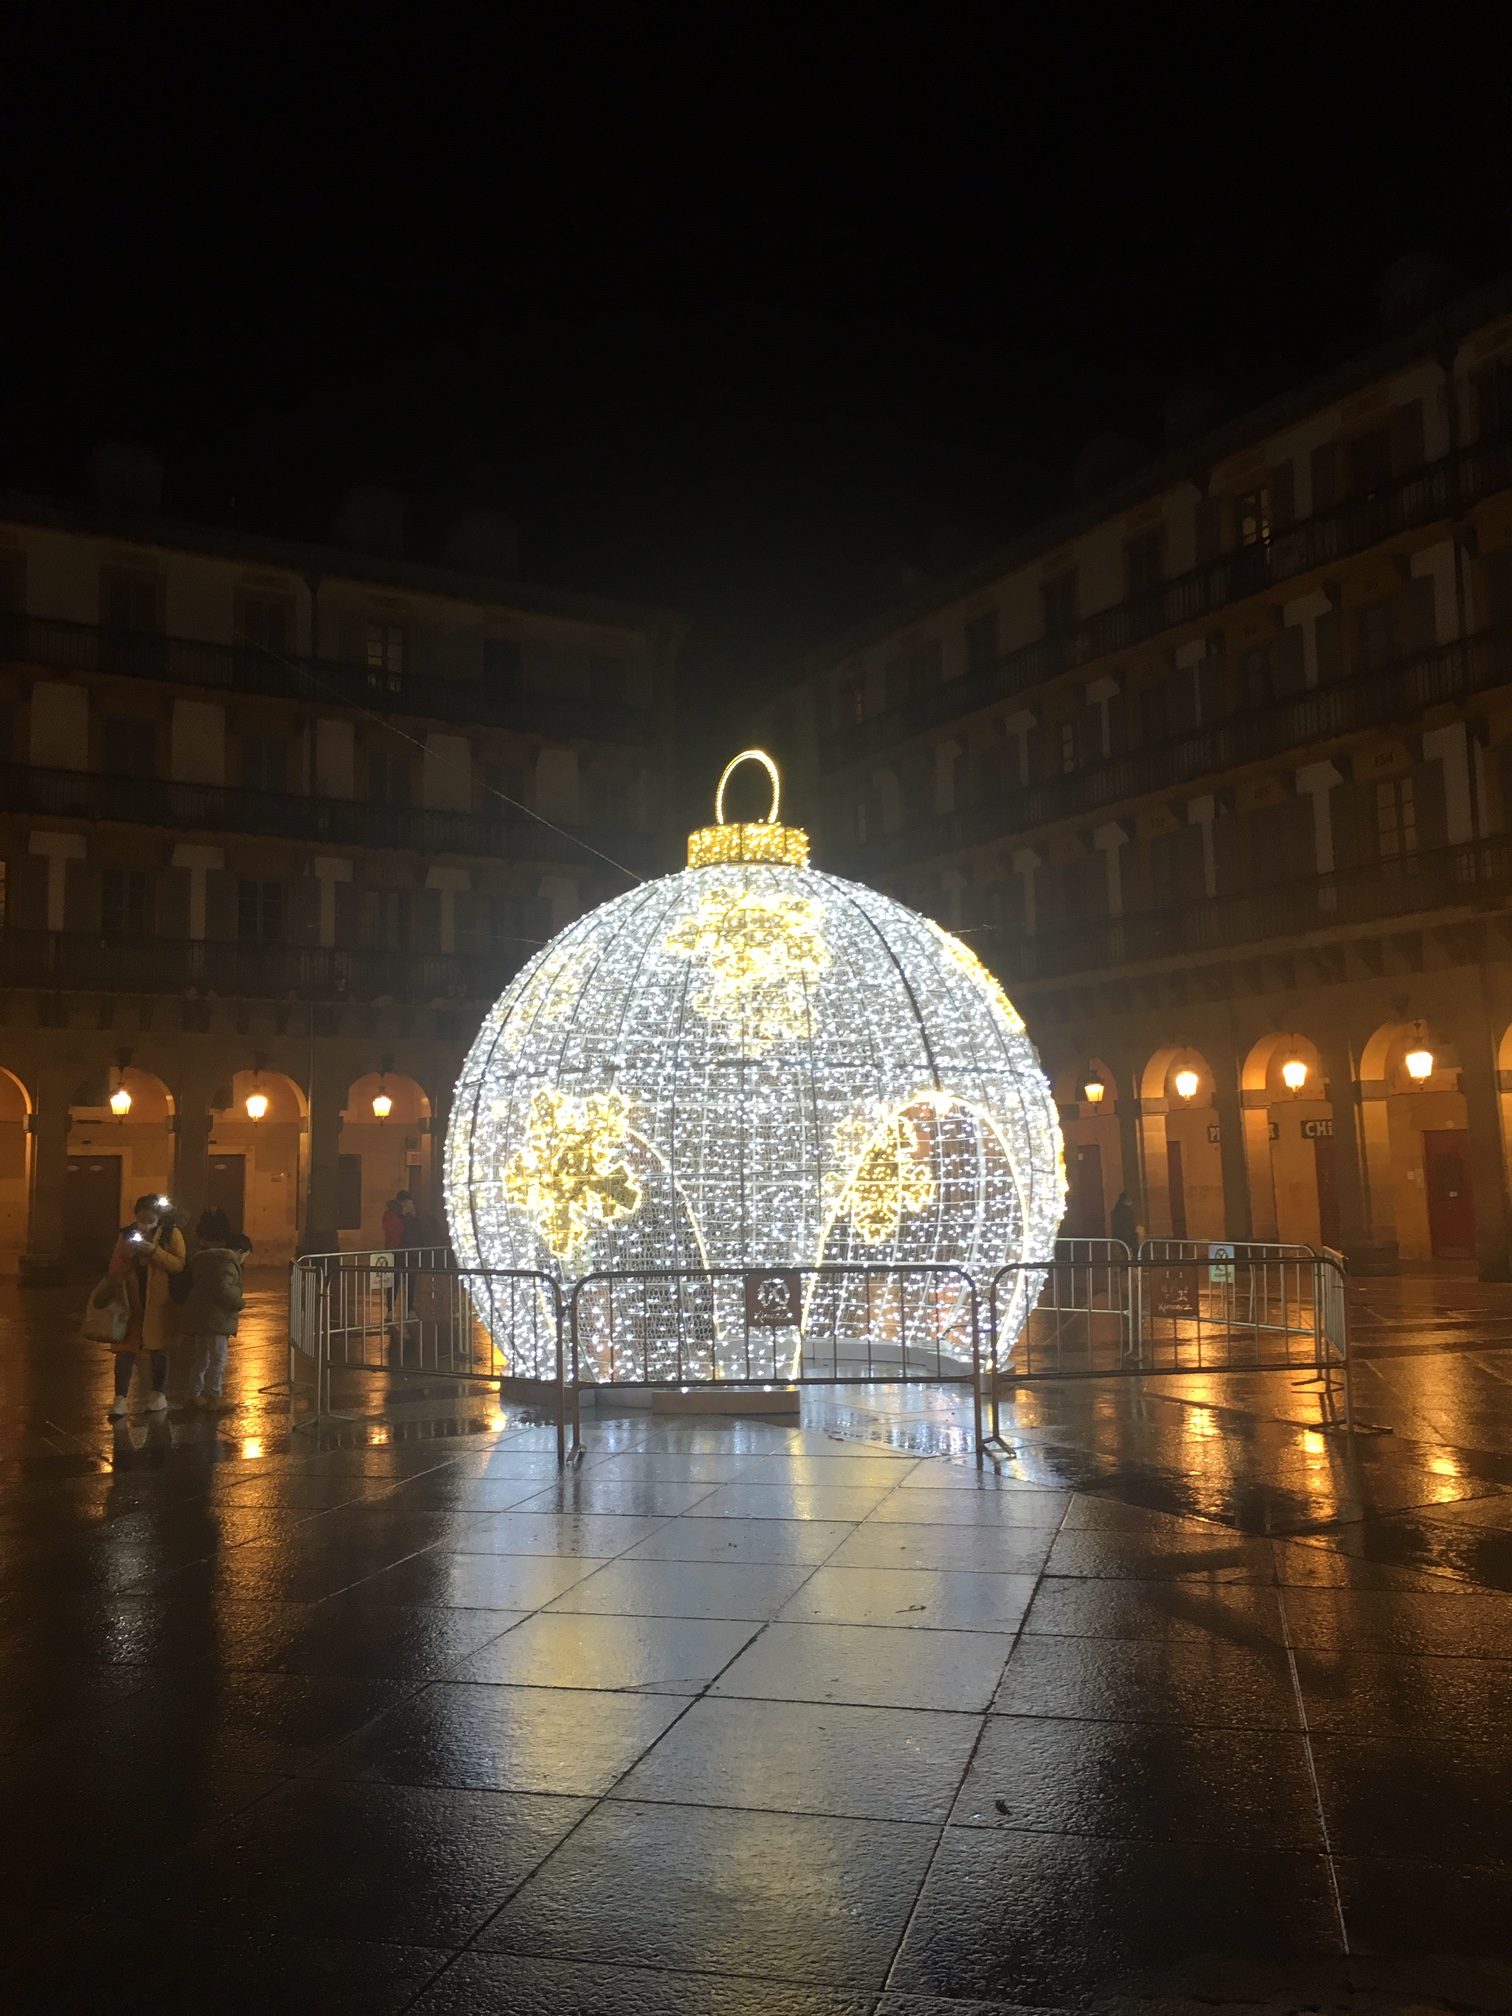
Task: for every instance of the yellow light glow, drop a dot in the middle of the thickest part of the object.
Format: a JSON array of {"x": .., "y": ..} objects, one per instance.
[
  {"x": 779, "y": 846},
  {"x": 383, "y": 1105},
  {"x": 497, "y": 1423},
  {"x": 892, "y": 1177},
  {"x": 1419, "y": 1063},
  {"x": 763, "y": 954},
  {"x": 568, "y": 1174},
  {"x": 1186, "y": 1082},
  {"x": 1093, "y": 1091},
  {"x": 379, "y": 1437},
  {"x": 972, "y": 967},
  {"x": 120, "y": 1102},
  {"x": 252, "y": 1448},
  {"x": 1294, "y": 1074},
  {"x": 257, "y": 1105},
  {"x": 749, "y": 756}
]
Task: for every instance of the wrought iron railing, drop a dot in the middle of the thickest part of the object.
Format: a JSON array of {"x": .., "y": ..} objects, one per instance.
[
  {"x": 216, "y": 808},
  {"x": 1424, "y": 496},
  {"x": 1381, "y": 698},
  {"x": 53, "y": 645},
  {"x": 62, "y": 961},
  {"x": 1446, "y": 880}
]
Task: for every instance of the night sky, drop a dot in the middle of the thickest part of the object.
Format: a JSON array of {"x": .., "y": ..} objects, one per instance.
[{"x": 741, "y": 310}]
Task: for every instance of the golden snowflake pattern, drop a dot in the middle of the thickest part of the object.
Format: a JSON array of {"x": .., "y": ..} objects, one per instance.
[
  {"x": 762, "y": 954},
  {"x": 569, "y": 1174},
  {"x": 890, "y": 1174}
]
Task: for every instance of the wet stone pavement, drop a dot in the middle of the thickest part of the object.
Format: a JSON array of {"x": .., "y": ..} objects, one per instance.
[{"x": 1190, "y": 1704}]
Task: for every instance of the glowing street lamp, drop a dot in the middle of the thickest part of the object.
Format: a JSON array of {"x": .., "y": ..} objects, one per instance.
[
  {"x": 257, "y": 1103},
  {"x": 383, "y": 1105},
  {"x": 120, "y": 1102},
  {"x": 1294, "y": 1074},
  {"x": 1093, "y": 1090},
  {"x": 1419, "y": 1062},
  {"x": 1186, "y": 1082}
]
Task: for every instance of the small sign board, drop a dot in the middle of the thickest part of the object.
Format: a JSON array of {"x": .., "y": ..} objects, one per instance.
[
  {"x": 773, "y": 1298},
  {"x": 1220, "y": 1262},
  {"x": 1317, "y": 1130}
]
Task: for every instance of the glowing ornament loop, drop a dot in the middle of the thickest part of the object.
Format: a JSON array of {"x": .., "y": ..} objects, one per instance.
[{"x": 750, "y": 756}]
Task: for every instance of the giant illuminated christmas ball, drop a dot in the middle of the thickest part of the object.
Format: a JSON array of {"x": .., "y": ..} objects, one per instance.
[{"x": 749, "y": 1064}]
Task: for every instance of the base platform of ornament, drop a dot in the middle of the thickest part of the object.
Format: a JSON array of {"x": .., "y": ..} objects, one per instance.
[{"x": 770, "y": 1402}]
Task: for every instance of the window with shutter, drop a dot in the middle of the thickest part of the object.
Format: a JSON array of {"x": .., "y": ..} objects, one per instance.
[
  {"x": 1058, "y": 602},
  {"x": 384, "y": 654},
  {"x": 1396, "y": 823},
  {"x": 1324, "y": 475},
  {"x": 1252, "y": 517},
  {"x": 1370, "y": 461},
  {"x": 1255, "y": 675},
  {"x": 12, "y": 581},
  {"x": 1493, "y": 398},
  {"x": 1282, "y": 491},
  {"x": 502, "y": 663},
  {"x": 1407, "y": 438},
  {"x": 388, "y": 776},
  {"x": 129, "y": 746},
  {"x": 982, "y": 642},
  {"x": 130, "y": 601},
  {"x": 123, "y": 903},
  {"x": 1142, "y": 563},
  {"x": 384, "y": 918},
  {"x": 1155, "y": 711},
  {"x": 264, "y": 763},
  {"x": 1375, "y": 635},
  {"x": 265, "y": 624},
  {"x": 260, "y": 912}
]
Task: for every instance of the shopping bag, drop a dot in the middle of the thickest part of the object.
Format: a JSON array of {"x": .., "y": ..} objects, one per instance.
[{"x": 107, "y": 1315}]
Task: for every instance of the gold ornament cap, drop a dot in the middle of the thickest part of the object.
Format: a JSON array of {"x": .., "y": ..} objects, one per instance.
[{"x": 764, "y": 840}]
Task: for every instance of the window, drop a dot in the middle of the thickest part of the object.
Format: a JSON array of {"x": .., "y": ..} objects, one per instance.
[
  {"x": 1396, "y": 820},
  {"x": 480, "y": 924},
  {"x": 502, "y": 663},
  {"x": 607, "y": 681},
  {"x": 1058, "y": 599},
  {"x": 131, "y": 602},
  {"x": 388, "y": 776},
  {"x": 123, "y": 903},
  {"x": 1493, "y": 398},
  {"x": 129, "y": 746},
  {"x": 1370, "y": 461},
  {"x": 850, "y": 704},
  {"x": 384, "y": 918},
  {"x": 982, "y": 642},
  {"x": 1162, "y": 864},
  {"x": 1067, "y": 747},
  {"x": 1254, "y": 671},
  {"x": 385, "y": 652},
  {"x": 265, "y": 623},
  {"x": 1154, "y": 712},
  {"x": 1252, "y": 518},
  {"x": 499, "y": 781},
  {"x": 1142, "y": 563},
  {"x": 260, "y": 912},
  {"x": 264, "y": 763},
  {"x": 1375, "y": 633}
]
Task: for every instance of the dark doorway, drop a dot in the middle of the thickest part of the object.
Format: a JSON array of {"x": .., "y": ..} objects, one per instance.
[
  {"x": 1176, "y": 1182},
  {"x": 1451, "y": 1202},
  {"x": 1328, "y": 1191},
  {"x": 1086, "y": 1216},
  {"x": 91, "y": 1211},
  {"x": 226, "y": 1187}
]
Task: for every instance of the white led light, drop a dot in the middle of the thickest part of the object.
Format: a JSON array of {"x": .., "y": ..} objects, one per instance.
[{"x": 750, "y": 1064}]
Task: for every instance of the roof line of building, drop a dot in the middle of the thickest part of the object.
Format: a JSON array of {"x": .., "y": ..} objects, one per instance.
[
  {"x": 335, "y": 562},
  {"x": 1190, "y": 462}
]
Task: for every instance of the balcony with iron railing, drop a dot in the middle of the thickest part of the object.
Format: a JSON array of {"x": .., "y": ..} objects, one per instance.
[
  {"x": 343, "y": 822},
  {"x": 49, "y": 644},
  {"x": 1436, "y": 491},
  {"x": 1446, "y": 883},
  {"x": 1378, "y": 699},
  {"x": 62, "y": 961}
]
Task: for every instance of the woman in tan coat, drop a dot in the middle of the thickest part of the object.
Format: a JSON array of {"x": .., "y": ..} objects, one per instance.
[{"x": 147, "y": 1252}]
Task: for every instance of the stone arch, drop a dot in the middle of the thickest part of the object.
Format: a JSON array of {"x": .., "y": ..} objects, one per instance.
[
  {"x": 1416, "y": 1141},
  {"x": 1288, "y": 1142},
  {"x": 381, "y": 1156},
  {"x": 113, "y": 1157},
  {"x": 1094, "y": 1149},
  {"x": 1180, "y": 1146},
  {"x": 16, "y": 1109},
  {"x": 257, "y": 1169}
]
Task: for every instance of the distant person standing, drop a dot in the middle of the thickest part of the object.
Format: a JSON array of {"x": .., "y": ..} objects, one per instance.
[
  {"x": 1123, "y": 1224},
  {"x": 413, "y": 1237},
  {"x": 210, "y": 1311},
  {"x": 148, "y": 1252},
  {"x": 393, "y": 1238}
]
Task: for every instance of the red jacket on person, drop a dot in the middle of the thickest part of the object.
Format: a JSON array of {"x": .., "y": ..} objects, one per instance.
[{"x": 393, "y": 1226}]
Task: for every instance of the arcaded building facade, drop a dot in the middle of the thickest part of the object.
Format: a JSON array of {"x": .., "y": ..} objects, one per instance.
[
  {"x": 1215, "y": 772},
  {"x": 276, "y": 824}
]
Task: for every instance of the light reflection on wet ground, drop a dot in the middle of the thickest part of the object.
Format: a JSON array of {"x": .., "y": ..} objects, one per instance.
[{"x": 1189, "y": 1700}]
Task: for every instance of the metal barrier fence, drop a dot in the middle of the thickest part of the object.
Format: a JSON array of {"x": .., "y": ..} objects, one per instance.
[
  {"x": 1091, "y": 1311},
  {"x": 425, "y": 1317},
  {"x": 834, "y": 1325},
  {"x": 1237, "y": 1308}
]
